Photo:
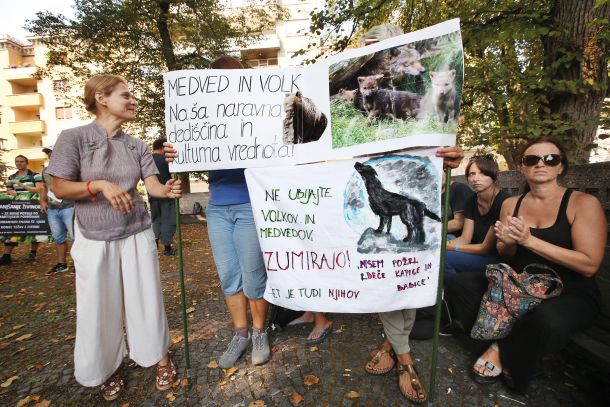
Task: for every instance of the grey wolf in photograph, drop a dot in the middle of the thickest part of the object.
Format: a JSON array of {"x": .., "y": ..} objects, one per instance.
[
  {"x": 392, "y": 104},
  {"x": 444, "y": 95},
  {"x": 386, "y": 205},
  {"x": 304, "y": 122},
  {"x": 408, "y": 62}
]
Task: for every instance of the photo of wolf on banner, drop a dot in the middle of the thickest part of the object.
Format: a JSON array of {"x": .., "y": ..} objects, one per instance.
[{"x": 408, "y": 89}]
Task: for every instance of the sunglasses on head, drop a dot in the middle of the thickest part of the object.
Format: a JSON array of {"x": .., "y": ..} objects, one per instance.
[{"x": 551, "y": 160}]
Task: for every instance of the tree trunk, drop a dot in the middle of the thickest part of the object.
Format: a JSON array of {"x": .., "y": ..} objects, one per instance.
[
  {"x": 167, "y": 47},
  {"x": 186, "y": 182},
  {"x": 577, "y": 37}
]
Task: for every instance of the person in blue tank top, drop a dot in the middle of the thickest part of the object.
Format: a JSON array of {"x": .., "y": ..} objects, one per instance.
[{"x": 551, "y": 225}]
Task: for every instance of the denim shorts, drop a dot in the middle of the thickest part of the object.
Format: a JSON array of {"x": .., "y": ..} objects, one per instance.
[
  {"x": 236, "y": 250},
  {"x": 60, "y": 222}
]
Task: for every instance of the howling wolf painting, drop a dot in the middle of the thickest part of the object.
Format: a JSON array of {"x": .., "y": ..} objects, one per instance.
[{"x": 393, "y": 203}]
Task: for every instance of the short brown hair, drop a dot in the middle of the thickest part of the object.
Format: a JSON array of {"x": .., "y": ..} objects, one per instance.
[
  {"x": 226, "y": 62},
  {"x": 24, "y": 157},
  {"x": 486, "y": 164},
  {"x": 100, "y": 83}
]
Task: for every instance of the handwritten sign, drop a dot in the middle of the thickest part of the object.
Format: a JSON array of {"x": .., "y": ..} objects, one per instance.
[
  {"x": 398, "y": 93},
  {"x": 327, "y": 248}
]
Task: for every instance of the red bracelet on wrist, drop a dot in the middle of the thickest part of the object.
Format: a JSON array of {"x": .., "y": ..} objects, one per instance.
[{"x": 91, "y": 194}]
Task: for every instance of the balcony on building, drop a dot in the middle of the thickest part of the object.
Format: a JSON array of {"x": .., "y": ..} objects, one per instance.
[
  {"x": 34, "y": 154},
  {"x": 28, "y": 101},
  {"x": 30, "y": 128},
  {"x": 263, "y": 53},
  {"x": 18, "y": 72}
]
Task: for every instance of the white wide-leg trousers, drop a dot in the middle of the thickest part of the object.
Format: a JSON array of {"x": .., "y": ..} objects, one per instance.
[{"x": 117, "y": 285}]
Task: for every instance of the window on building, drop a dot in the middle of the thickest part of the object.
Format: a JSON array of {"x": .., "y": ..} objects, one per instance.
[
  {"x": 64, "y": 112},
  {"x": 61, "y": 86},
  {"x": 297, "y": 27},
  {"x": 263, "y": 63}
]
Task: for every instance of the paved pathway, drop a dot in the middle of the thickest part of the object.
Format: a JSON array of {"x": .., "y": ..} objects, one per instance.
[{"x": 43, "y": 307}]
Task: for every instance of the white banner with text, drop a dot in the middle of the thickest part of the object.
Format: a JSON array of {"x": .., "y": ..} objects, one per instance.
[{"x": 352, "y": 236}]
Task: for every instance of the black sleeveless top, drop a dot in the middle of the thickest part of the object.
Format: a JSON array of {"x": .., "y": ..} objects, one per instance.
[{"x": 560, "y": 235}]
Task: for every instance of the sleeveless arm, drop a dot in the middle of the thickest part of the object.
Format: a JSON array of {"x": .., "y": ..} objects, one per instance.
[{"x": 506, "y": 246}]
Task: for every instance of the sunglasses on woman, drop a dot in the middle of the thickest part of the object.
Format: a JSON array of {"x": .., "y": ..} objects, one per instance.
[{"x": 550, "y": 160}]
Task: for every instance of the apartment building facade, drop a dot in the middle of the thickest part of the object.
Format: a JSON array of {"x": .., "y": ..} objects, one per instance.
[
  {"x": 280, "y": 42},
  {"x": 32, "y": 111}
]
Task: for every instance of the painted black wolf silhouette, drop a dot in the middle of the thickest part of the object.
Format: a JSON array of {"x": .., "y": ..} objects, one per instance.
[{"x": 386, "y": 204}]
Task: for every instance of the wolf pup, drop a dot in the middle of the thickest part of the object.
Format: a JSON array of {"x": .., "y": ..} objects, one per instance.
[
  {"x": 351, "y": 96},
  {"x": 393, "y": 104},
  {"x": 346, "y": 95},
  {"x": 304, "y": 122},
  {"x": 386, "y": 204},
  {"x": 444, "y": 96}
]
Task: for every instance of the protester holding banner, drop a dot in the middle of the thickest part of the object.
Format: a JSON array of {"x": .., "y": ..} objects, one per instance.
[
  {"x": 117, "y": 270},
  {"x": 475, "y": 248},
  {"x": 237, "y": 254},
  {"x": 163, "y": 210},
  {"x": 22, "y": 185},
  {"x": 550, "y": 225},
  {"x": 60, "y": 213},
  {"x": 397, "y": 326},
  {"x": 459, "y": 195}
]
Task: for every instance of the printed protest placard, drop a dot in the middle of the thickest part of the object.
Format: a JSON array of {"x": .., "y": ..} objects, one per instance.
[
  {"x": 399, "y": 93},
  {"x": 350, "y": 236},
  {"x": 22, "y": 218}
]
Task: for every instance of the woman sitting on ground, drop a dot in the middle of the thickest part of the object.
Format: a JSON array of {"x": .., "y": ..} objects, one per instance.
[
  {"x": 548, "y": 224},
  {"x": 475, "y": 248}
]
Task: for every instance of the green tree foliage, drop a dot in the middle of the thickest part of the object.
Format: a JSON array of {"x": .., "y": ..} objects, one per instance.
[
  {"x": 141, "y": 39},
  {"x": 532, "y": 67}
]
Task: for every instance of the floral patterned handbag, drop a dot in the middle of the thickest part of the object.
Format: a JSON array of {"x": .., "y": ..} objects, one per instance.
[{"x": 511, "y": 295}]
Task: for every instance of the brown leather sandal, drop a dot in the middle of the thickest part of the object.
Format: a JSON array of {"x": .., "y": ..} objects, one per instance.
[
  {"x": 416, "y": 385},
  {"x": 111, "y": 389},
  {"x": 166, "y": 376},
  {"x": 376, "y": 358}
]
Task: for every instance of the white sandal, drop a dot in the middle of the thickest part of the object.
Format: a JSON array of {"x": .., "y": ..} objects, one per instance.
[{"x": 489, "y": 366}]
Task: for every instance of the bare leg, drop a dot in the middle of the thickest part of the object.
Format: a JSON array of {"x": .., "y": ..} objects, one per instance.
[
  {"x": 62, "y": 250},
  {"x": 164, "y": 361},
  {"x": 258, "y": 310},
  {"x": 238, "y": 309}
]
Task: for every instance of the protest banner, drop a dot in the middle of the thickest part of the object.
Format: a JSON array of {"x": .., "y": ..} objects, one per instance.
[
  {"x": 350, "y": 236},
  {"x": 23, "y": 218},
  {"x": 399, "y": 93}
]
